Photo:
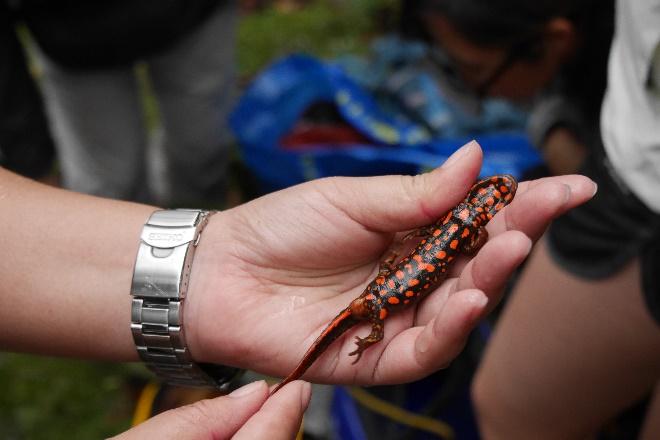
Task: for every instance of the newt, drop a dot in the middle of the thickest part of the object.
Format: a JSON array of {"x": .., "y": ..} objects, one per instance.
[{"x": 396, "y": 286}]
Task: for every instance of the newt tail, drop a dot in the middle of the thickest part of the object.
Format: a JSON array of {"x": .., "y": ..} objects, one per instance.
[{"x": 345, "y": 320}]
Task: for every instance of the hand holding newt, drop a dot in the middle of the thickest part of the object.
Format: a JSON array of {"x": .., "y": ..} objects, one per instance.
[{"x": 271, "y": 274}]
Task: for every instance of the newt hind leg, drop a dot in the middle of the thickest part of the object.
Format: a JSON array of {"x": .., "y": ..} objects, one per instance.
[
  {"x": 374, "y": 337},
  {"x": 478, "y": 239}
]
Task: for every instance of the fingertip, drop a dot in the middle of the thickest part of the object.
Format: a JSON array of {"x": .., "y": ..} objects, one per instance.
[
  {"x": 520, "y": 240},
  {"x": 448, "y": 184},
  {"x": 248, "y": 389},
  {"x": 472, "y": 148},
  {"x": 281, "y": 415},
  {"x": 476, "y": 298},
  {"x": 469, "y": 305},
  {"x": 306, "y": 393},
  {"x": 581, "y": 185},
  {"x": 304, "y": 390}
]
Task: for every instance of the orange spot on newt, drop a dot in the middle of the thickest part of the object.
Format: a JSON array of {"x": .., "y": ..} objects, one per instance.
[
  {"x": 399, "y": 274},
  {"x": 413, "y": 282},
  {"x": 437, "y": 232},
  {"x": 465, "y": 233},
  {"x": 383, "y": 314},
  {"x": 393, "y": 300},
  {"x": 464, "y": 214},
  {"x": 380, "y": 281},
  {"x": 441, "y": 255},
  {"x": 453, "y": 244},
  {"x": 417, "y": 258},
  {"x": 410, "y": 293},
  {"x": 370, "y": 297},
  {"x": 504, "y": 189},
  {"x": 391, "y": 284},
  {"x": 430, "y": 268}
]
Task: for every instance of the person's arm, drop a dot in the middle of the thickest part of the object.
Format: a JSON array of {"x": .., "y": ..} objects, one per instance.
[
  {"x": 268, "y": 275},
  {"x": 66, "y": 262}
]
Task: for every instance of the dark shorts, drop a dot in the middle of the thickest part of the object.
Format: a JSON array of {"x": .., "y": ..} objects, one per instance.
[{"x": 597, "y": 239}]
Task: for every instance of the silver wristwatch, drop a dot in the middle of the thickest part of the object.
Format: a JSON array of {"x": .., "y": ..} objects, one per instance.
[{"x": 160, "y": 282}]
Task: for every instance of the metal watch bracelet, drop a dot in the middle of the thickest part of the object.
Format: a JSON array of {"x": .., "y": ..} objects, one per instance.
[{"x": 159, "y": 287}]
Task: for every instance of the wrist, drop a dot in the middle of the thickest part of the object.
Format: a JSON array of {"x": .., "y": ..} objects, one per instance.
[
  {"x": 207, "y": 324},
  {"x": 163, "y": 266}
]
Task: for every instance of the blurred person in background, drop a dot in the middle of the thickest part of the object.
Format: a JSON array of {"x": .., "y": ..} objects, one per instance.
[
  {"x": 26, "y": 146},
  {"x": 87, "y": 52},
  {"x": 578, "y": 341}
]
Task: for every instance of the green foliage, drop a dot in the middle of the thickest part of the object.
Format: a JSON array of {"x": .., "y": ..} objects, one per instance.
[
  {"x": 48, "y": 398},
  {"x": 325, "y": 28}
]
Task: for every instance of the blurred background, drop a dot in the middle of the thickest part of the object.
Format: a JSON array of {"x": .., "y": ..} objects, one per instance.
[{"x": 311, "y": 88}]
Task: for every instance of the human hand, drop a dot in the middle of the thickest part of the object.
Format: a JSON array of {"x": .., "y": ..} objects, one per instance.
[
  {"x": 243, "y": 414},
  {"x": 270, "y": 274},
  {"x": 563, "y": 152}
]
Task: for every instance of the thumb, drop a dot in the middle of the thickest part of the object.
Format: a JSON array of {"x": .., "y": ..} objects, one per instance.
[
  {"x": 280, "y": 416},
  {"x": 212, "y": 418},
  {"x": 395, "y": 203}
]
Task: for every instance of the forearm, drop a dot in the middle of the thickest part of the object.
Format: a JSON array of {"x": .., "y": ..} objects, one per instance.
[{"x": 66, "y": 263}]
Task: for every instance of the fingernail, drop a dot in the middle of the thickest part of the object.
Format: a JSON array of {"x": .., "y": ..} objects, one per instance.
[
  {"x": 248, "y": 389},
  {"x": 306, "y": 393},
  {"x": 478, "y": 298},
  {"x": 460, "y": 153},
  {"x": 595, "y": 189}
]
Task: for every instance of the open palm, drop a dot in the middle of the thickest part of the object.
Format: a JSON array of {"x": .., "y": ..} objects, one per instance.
[{"x": 272, "y": 273}]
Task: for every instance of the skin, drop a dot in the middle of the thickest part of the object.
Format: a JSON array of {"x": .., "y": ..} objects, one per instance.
[
  {"x": 267, "y": 275},
  {"x": 522, "y": 80},
  {"x": 549, "y": 369},
  {"x": 602, "y": 355},
  {"x": 247, "y": 413},
  {"x": 320, "y": 247}
]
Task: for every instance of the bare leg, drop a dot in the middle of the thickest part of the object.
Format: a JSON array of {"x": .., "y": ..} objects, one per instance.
[
  {"x": 567, "y": 354},
  {"x": 651, "y": 428}
]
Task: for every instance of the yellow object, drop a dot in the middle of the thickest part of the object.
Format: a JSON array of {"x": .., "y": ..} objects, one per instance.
[
  {"x": 145, "y": 403},
  {"x": 400, "y": 415}
]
